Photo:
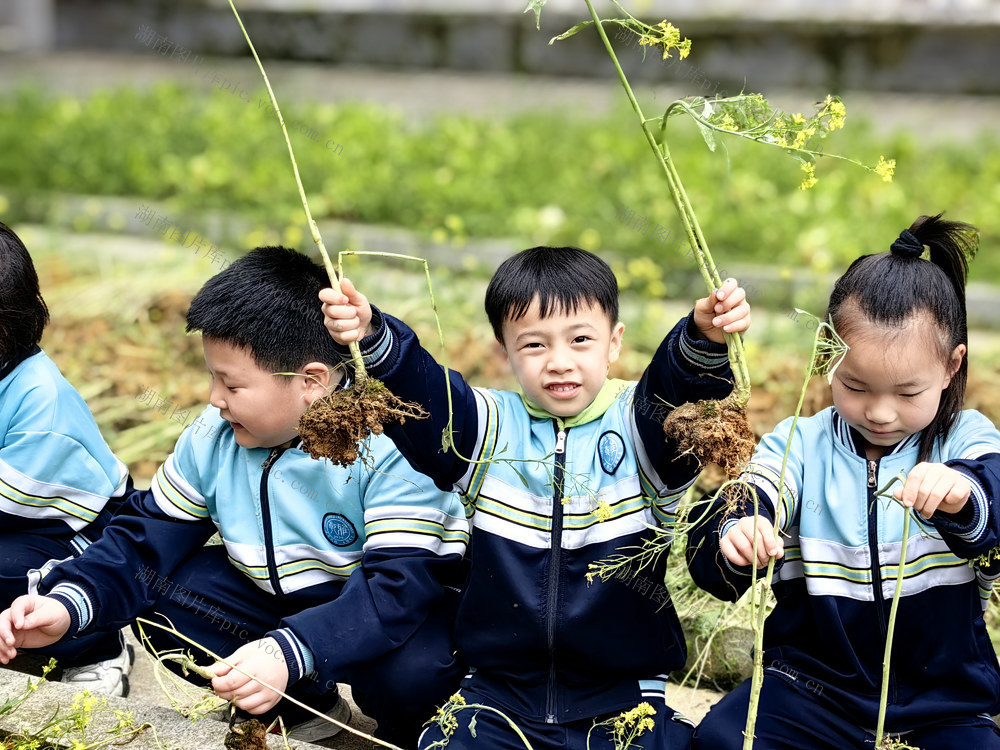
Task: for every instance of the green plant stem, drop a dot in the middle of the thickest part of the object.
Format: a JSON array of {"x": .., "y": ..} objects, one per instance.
[
  {"x": 696, "y": 238},
  {"x": 360, "y": 373},
  {"x": 883, "y": 700},
  {"x": 758, "y": 623}
]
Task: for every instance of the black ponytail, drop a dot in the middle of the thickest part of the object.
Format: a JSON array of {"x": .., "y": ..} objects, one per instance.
[
  {"x": 890, "y": 288},
  {"x": 23, "y": 313}
]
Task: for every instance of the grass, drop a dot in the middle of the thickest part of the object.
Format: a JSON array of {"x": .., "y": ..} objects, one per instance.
[{"x": 541, "y": 178}]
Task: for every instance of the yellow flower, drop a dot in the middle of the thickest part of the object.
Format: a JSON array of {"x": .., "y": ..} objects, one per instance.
[
  {"x": 885, "y": 169},
  {"x": 728, "y": 123},
  {"x": 603, "y": 510},
  {"x": 838, "y": 112},
  {"x": 810, "y": 179}
]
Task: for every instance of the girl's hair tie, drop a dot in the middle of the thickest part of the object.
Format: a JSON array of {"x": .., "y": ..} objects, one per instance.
[{"x": 908, "y": 246}]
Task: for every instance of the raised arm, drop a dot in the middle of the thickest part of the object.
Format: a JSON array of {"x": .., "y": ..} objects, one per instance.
[
  {"x": 691, "y": 364},
  {"x": 392, "y": 354}
]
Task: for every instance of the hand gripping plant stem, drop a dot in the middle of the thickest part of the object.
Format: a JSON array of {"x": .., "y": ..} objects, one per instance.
[
  {"x": 692, "y": 229},
  {"x": 360, "y": 373},
  {"x": 141, "y": 621},
  {"x": 884, "y": 698}
]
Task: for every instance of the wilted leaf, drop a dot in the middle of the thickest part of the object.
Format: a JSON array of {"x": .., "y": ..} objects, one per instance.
[
  {"x": 536, "y": 5},
  {"x": 571, "y": 32}
]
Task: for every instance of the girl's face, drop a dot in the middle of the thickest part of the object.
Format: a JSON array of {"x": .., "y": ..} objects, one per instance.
[{"x": 889, "y": 384}]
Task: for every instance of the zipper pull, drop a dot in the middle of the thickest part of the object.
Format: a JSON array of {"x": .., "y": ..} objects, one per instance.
[
  {"x": 271, "y": 458},
  {"x": 872, "y": 478},
  {"x": 561, "y": 441}
]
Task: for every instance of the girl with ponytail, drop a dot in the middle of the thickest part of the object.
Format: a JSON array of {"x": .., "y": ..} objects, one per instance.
[{"x": 897, "y": 411}]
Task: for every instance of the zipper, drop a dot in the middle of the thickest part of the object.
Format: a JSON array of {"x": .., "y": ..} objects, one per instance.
[
  {"x": 265, "y": 509},
  {"x": 875, "y": 565},
  {"x": 555, "y": 560}
]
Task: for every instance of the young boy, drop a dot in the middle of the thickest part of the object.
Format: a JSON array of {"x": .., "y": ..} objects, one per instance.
[
  {"x": 555, "y": 478},
  {"x": 325, "y": 574},
  {"x": 59, "y": 481}
]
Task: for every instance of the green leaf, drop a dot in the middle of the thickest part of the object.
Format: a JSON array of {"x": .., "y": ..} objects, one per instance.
[
  {"x": 536, "y": 5},
  {"x": 572, "y": 32}
]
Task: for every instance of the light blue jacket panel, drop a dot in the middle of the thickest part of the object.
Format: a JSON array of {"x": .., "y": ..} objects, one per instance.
[
  {"x": 828, "y": 529},
  {"x": 56, "y": 471},
  {"x": 315, "y": 519}
]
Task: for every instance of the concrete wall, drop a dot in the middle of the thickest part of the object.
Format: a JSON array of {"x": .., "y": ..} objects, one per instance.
[{"x": 939, "y": 51}]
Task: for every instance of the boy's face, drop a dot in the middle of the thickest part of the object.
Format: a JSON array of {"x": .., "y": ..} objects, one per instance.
[
  {"x": 562, "y": 360},
  {"x": 263, "y": 409}
]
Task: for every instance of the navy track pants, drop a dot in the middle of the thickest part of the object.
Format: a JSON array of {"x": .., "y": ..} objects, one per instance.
[
  {"x": 790, "y": 718},
  {"x": 670, "y": 731}
]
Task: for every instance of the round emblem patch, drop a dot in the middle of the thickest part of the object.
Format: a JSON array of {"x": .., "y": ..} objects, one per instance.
[
  {"x": 339, "y": 530},
  {"x": 611, "y": 448}
]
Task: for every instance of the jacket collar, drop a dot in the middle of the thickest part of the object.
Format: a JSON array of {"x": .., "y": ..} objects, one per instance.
[
  {"x": 595, "y": 410},
  {"x": 7, "y": 366},
  {"x": 852, "y": 440}
]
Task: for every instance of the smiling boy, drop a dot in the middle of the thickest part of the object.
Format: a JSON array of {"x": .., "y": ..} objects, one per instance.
[
  {"x": 555, "y": 478},
  {"x": 342, "y": 583}
]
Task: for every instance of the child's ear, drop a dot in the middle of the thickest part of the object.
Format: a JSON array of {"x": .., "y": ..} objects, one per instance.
[
  {"x": 954, "y": 362},
  {"x": 616, "y": 342},
  {"x": 319, "y": 380}
]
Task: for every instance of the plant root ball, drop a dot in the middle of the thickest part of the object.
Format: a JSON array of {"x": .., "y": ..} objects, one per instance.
[
  {"x": 715, "y": 431},
  {"x": 249, "y": 735},
  {"x": 337, "y": 425}
]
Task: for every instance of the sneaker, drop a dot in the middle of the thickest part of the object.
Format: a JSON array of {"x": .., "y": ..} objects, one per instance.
[
  {"x": 317, "y": 729},
  {"x": 109, "y": 677}
]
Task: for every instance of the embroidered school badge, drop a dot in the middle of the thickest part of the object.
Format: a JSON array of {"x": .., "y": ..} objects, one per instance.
[
  {"x": 611, "y": 449},
  {"x": 339, "y": 530}
]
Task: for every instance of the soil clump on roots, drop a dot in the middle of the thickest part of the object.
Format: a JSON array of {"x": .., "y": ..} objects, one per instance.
[
  {"x": 249, "y": 735},
  {"x": 337, "y": 425},
  {"x": 715, "y": 431}
]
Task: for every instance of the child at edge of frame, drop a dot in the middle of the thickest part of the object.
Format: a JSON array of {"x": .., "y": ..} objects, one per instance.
[
  {"x": 898, "y": 397},
  {"x": 60, "y": 483},
  {"x": 590, "y": 472},
  {"x": 347, "y": 582}
]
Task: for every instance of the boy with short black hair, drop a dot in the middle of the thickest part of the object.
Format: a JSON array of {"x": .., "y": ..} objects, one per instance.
[
  {"x": 555, "y": 478},
  {"x": 59, "y": 481},
  {"x": 326, "y": 574}
]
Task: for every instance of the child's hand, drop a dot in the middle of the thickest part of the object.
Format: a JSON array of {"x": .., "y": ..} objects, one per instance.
[
  {"x": 348, "y": 315},
  {"x": 930, "y": 487},
  {"x": 261, "y": 658},
  {"x": 725, "y": 310},
  {"x": 738, "y": 547},
  {"x": 32, "y": 621}
]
